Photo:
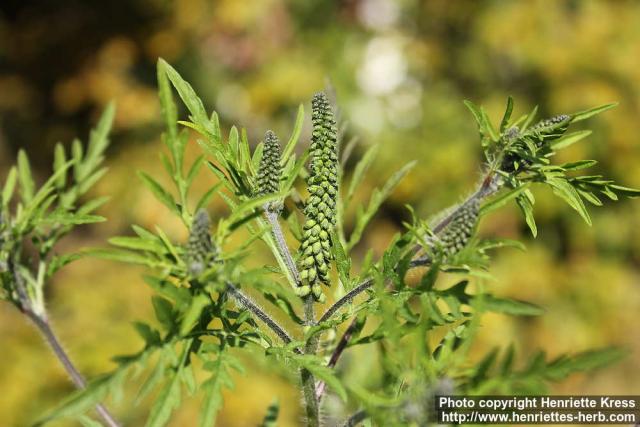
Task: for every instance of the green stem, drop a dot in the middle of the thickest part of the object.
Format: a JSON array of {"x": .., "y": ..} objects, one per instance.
[
  {"x": 307, "y": 379},
  {"x": 356, "y": 418},
  {"x": 283, "y": 249},
  {"x": 41, "y": 322},
  {"x": 245, "y": 302}
]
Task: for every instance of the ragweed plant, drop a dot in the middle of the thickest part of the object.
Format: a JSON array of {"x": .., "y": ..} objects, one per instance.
[
  {"x": 33, "y": 220},
  {"x": 212, "y": 305}
]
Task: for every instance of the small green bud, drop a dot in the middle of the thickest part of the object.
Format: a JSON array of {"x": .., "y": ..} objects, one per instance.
[
  {"x": 455, "y": 236},
  {"x": 316, "y": 290},
  {"x": 303, "y": 291},
  {"x": 550, "y": 129},
  {"x": 270, "y": 170},
  {"x": 201, "y": 251}
]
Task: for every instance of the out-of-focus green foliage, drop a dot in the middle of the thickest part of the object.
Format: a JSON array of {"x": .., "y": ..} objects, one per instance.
[{"x": 400, "y": 69}]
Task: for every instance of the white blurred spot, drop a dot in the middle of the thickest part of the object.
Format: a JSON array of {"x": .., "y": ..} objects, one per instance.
[
  {"x": 384, "y": 66},
  {"x": 378, "y": 14},
  {"x": 368, "y": 115},
  {"x": 404, "y": 107}
]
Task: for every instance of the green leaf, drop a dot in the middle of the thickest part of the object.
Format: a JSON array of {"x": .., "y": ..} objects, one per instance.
[
  {"x": 220, "y": 378},
  {"x": 625, "y": 191},
  {"x": 198, "y": 303},
  {"x": 295, "y": 135},
  {"x": 206, "y": 197},
  {"x": 257, "y": 155},
  {"x": 569, "y": 139},
  {"x": 88, "y": 422},
  {"x": 526, "y": 206},
  {"x": 507, "y": 115},
  {"x": 507, "y": 360},
  {"x": 360, "y": 170},
  {"x": 167, "y": 401},
  {"x": 502, "y": 199},
  {"x": 564, "y": 190},
  {"x": 583, "y": 115},
  {"x": 25, "y": 178},
  {"x": 81, "y": 401},
  {"x": 194, "y": 170},
  {"x": 66, "y": 218},
  {"x": 190, "y": 99},
  {"x": 161, "y": 194},
  {"x": 163, "y": 310},
  {"x": 90, "y": 180},
  {"x": 138, "y": 244},
  {"x": 9, "y": 186},
  {"x": 167, "y": 106},
  {"x": 234, "y": 145},
  {"x": 343, "y": 262},
  {"x": 122, "y": 256},
  {"x": 477, "y": 114},
  {"x": 490, "y": 129},
  {"x": 579, "y": 165},
  {"x": 371, "y": 399},
  {"x": 510, "y": 306},
  {"x": 250, "y": 205},
  {"x": 582, "y": 362},
  {"x": 376, "y": 200},
  {"x": 59, "y": 160},
  {"x": 147, "y": 333},
  {"x": 98, "y": 142},
  {"x": 321, "y": 372},
  {"x": 529, "y": 119},
  {"x": 291, "y": 173}
]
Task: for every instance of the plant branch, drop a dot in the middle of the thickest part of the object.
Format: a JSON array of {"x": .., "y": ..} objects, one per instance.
[
  {"x": 357, "y": 417},
  {"x": 346, "y": 299},
  {"x": 281, "y": 243},
  {"x": 41, "y": 322},
  {"x": 337, "y": 352},
  {"x": 306, "y": 377},
  {"x": 78, "y": 380},
  {"x": 246, "y": 303},
  {"x": 363, "y": 286},
  {"x": 488, "y": 187}
]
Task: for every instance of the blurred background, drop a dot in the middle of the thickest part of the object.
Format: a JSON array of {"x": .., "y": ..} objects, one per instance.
[{"x": 401, "y": 69}]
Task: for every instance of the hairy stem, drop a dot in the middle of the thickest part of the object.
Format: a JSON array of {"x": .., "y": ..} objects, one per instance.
[
  {"x": 342, "y": 345},
  {"x": 78, "y": 380},
  {"x": 246, "y": 303},
  {"x": 281, "y": 243},
  {"x": 307, "y": 379},
  {"x": 346, "y": 299},
  {"x": 356, "y": 418},
  {"x": 41, "y": 322},
  {"x": 487, "y": 187}
]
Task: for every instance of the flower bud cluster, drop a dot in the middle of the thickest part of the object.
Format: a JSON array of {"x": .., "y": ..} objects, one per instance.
[
  {"x": 201, "y": 251},
  {"x": 270, "y": 169},
  {"x": 456, "y": 234},
  {"x": 320, "y": 208}
]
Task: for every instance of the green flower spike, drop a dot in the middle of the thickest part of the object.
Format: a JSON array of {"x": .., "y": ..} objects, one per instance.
[
  {"x": 538, "y": 136},
  {"x": 455, "y": 235},
  {"x": 201, "y": 251},
  {"x": 270, "y": 170},
  {"x": 550, "y": 129},
  {"x": 320, "y": 209}
]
